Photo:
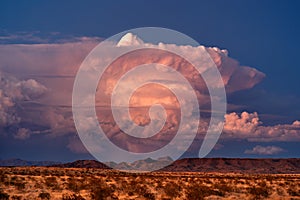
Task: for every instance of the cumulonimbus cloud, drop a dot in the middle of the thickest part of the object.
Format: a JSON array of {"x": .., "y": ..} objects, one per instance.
[{"x": 54, "y": 67}]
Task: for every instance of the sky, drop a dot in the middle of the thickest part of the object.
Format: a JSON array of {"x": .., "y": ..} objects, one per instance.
[{"x": 42, "y": 45}]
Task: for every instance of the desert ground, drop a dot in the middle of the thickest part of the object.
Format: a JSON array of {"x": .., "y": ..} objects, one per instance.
[{"x": 31, "y": 183}]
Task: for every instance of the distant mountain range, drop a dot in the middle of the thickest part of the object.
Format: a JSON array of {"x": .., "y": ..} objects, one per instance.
[
  {"x": 20, "y": 163},
  {"x": 222, "y": 165},
  {"x": 148, "y": 164}
]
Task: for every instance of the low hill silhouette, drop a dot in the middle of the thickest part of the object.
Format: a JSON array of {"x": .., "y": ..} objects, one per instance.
[
  {"x": 83, "y": 164},
  {"x": 237, "y": 165}
]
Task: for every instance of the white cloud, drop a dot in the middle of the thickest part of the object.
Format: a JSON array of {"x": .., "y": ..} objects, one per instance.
[
  {"x": 129, "y": 39},
  {"x": 248, "y": 126},
  {"x": 246, "y": 123},
  {"x": 267, "y": 150}
]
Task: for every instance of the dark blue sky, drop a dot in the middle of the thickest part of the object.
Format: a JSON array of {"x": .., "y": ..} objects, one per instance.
[{"x": 261, "y": 34}]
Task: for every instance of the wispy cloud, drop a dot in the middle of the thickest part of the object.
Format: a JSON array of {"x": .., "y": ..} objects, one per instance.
[
  {"x": 265, "y": 150},
  {"x": 38, "y": 37}
]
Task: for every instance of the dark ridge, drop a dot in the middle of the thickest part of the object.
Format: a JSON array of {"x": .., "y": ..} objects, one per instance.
[
  {"x": 236, "y": 165},
  {"x": 83, "y": 164}
]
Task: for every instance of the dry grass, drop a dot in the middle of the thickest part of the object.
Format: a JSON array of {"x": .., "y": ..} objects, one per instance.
[{"x": 20, "y": 183}]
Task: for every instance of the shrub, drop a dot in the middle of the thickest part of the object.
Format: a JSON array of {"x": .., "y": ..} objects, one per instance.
[
  {"x": 51, "y": 182},
  {"x": 140, "y": 189},
  {"x": 259, "y": 192},
  {"x": 15, "y": 197},
  {"x": 199, "y": 192},
  {"x": 20, "y": 185},
  {"x": 100, "y": 190},
  {"x": 172, "y": 190},
  {"x": 3, "y": 178},
  {"x": 130, "y": 193},
  {"x": 76, "y": 185},
  {"x": 293, "y": 191},
  {"x": 223, "y": 188},
  {"x": 4, "y": 196},
  {"x": 44, "y": 195},
  {"x": 72, "y": 197},
  {"x": 149, "y": 195}
]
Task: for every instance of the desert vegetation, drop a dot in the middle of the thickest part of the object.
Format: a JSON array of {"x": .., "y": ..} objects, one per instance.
[{"x": 22, "y": 183}]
